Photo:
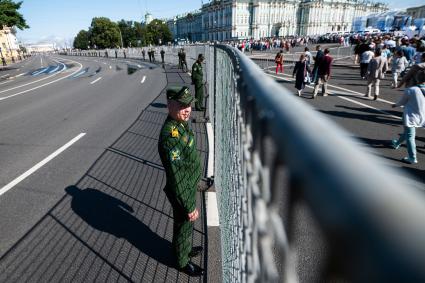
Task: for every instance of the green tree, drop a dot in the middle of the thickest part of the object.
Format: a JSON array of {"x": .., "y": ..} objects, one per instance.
[
  {"x": 139, "y": 32},
  {"x": 104, "y": 33},
  {"x": 157, "y": 32},
  {"x": 9, "y": 15},
  {"x": 81, "y": 41},
  {"x": 128, "y": 31}
]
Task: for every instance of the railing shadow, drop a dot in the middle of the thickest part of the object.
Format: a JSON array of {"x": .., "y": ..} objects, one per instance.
[{"x": 114, "y": 224}]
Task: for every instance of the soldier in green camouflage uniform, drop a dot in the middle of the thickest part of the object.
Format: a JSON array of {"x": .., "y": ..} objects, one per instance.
[
  {"x": 197, "y": 80},
  {"x": 177, "y": 150}
]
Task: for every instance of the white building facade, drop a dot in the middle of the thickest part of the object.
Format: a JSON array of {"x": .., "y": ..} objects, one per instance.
[
  {"x": 224, "y": 20},
  {"x": 320, "y": 17}
]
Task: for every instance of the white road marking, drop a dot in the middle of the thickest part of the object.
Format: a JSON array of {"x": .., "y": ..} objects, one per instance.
[
  {"x": 345, "y": 98},
  {"x": 19, "y": 86},
  {"x": 273, "y": 67},
  {"x": 39, "y": 72},
  {"x": 54, "y": 70},
  {"x": 20, "y": 75},
  {"x": 104, "y": 63},
  {"x": 28, "y": 90},
  {"x": 349, "y": 90},
  {"x": 96, "y": 80},
  {"x": 143, "y": 79},
  {"x": 139, "y": 66},
  {"x": 40, "y": 164},
  {"x": 4, "y": 76},
  {"x": 212, "y": 211},
  {"x": 110, "y": 67}
]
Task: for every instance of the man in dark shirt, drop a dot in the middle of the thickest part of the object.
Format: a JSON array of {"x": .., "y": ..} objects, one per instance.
[
  {"x": 323, "y": 73},
  {"x": 317, "y": 59}
]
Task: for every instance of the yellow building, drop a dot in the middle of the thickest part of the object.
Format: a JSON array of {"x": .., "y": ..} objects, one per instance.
[{"x": 8, "y": 44}]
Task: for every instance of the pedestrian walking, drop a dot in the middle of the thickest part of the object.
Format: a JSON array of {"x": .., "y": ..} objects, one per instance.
[
  {"x": 308, "y": 56},
  {"x": 150, "y": 55},
  {"x": 375, "y": 73},
  {"x": 323, "y": 73},
  {"x": 365, "y": 58},
  {"x": 278, "y": 59},
  {"x": 410, "y": 77},
  {"x": 413, "y": 102},
  {"x": 197, "y": 80},
  {"x": 181, "y": 161},
  {"x": 301, "y": 73},
  {"x": 3, "y": 61},
  {"x": 162, "y": 55},
  {"x": 143, "y": 54},
  {"x": 398, "y": 66},
  {"x": 317, "y": 61}
]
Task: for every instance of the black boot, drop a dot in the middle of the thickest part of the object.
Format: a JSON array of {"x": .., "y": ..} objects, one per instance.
[{"x": 192, "y": 269}]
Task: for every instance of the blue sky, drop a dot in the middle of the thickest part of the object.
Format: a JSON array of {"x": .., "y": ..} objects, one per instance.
[{"x": 60, "y": 20}]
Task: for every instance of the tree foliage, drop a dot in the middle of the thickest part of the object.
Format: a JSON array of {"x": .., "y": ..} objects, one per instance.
[
  {"x": 82, "y": 41},
  {"x": 104, "y": 33},
  {"x": 9, "y": 15},
  {"x": 158, "y": 33}
]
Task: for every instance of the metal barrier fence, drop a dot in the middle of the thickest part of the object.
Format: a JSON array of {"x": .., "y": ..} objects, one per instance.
[{"x": 298, "y": 199}]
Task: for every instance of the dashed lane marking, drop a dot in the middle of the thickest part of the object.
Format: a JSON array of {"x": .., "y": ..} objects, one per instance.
[{"x": 96, "y": 80}]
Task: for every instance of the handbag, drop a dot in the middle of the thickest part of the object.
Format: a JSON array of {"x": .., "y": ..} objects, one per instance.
[{"x": 306, "y": 74}]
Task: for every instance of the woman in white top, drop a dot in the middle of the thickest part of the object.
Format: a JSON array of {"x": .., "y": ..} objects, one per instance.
[
  {"x": 399, "y": 65},
  {"x": 413, "y": 101}
]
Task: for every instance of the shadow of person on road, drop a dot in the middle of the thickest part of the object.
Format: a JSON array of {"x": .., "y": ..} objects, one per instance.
[{"x": 111, "y": 215}]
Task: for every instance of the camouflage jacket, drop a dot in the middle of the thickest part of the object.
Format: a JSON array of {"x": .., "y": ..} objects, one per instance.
[{"x": 180, "y": 158}]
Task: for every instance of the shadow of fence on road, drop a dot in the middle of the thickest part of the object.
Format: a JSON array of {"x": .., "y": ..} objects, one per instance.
[{"x": 115, "y": 224}]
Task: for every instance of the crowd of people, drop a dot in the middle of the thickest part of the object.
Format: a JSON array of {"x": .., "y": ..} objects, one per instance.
[{"x": 404, "y": 58}]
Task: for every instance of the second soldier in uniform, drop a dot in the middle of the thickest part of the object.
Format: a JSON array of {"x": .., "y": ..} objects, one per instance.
[{"x": 197, "y": 80}]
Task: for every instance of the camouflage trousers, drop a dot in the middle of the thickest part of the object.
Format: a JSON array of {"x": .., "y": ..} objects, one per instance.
[
  {"x": 199, "y": 95},
  {"x": 182, "y": 241}
]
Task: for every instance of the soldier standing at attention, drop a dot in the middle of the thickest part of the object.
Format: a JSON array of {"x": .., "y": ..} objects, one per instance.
[
  {"x": 162, "y": 55},
  {"x": 197, "y": 80},
  {"x": 150, "y": 55},
  {"x": 181, "y": 161},
  {"x": 184, "y": 63}
]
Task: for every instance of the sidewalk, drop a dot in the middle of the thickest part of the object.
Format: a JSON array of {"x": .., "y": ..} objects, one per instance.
[{"x": 115, "y": 224}]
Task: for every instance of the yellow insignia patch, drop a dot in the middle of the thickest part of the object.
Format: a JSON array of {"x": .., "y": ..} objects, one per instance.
[{"x": 174, "y": 132}]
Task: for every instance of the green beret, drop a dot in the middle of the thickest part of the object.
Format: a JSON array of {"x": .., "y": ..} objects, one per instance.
[{"x": 180, "y": 94}]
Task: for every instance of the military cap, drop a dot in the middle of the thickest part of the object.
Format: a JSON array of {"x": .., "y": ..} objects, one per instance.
[{"x": 180, "y": 94}]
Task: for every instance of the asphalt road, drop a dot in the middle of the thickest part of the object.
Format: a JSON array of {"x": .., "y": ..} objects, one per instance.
[
  {"x": 46, "y": 102},
  {"x": 373, "y": 123}
]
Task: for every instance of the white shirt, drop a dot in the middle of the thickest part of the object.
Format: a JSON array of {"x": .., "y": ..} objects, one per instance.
[
  {"x": 366, "y": 56},
  {"x": 413, "y": 101}
]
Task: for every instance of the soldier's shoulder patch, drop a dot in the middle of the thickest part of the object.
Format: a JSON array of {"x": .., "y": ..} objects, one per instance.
[
  {"x": 174, "y": 132},
  {"x": 175, "y": 155}
]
